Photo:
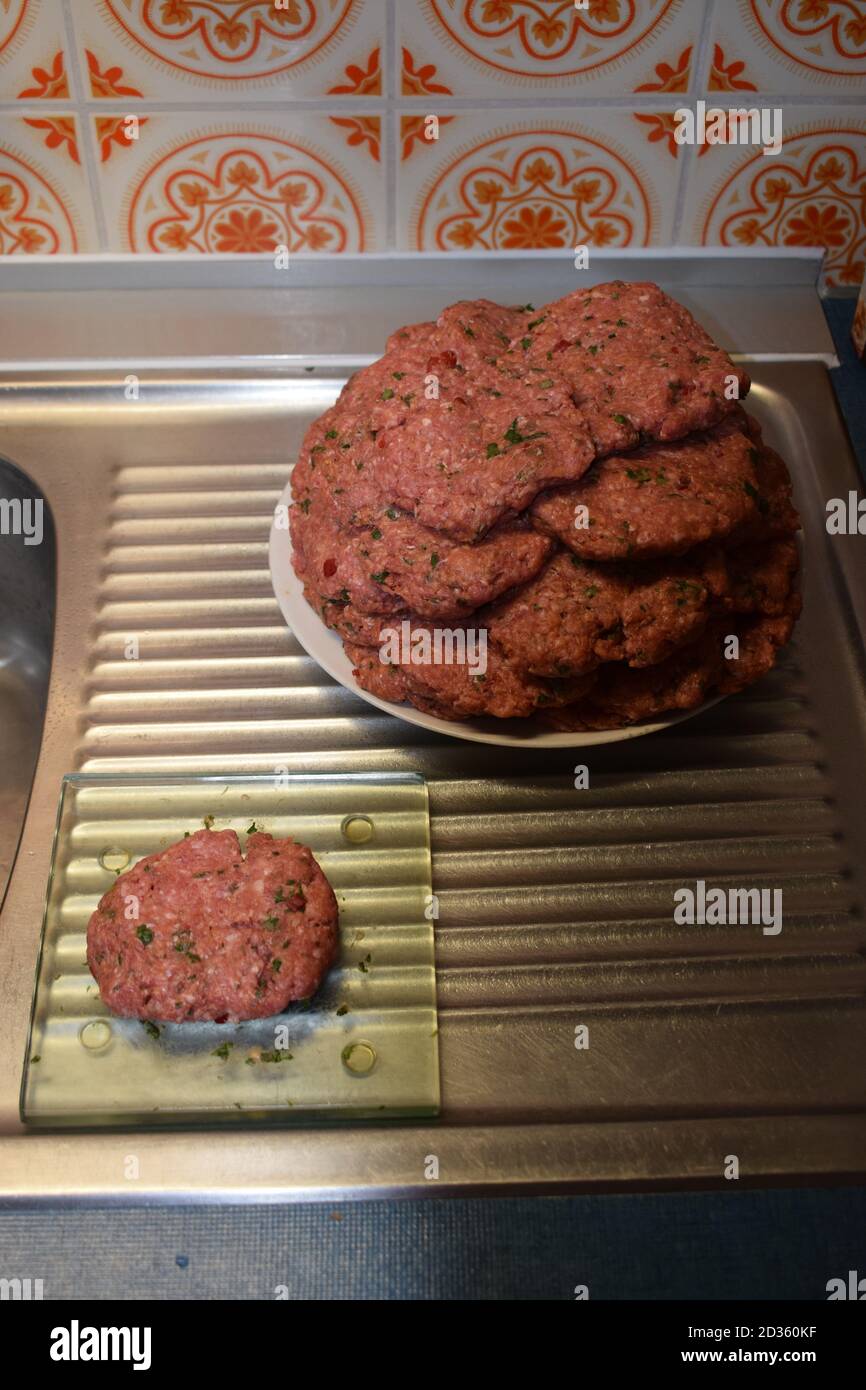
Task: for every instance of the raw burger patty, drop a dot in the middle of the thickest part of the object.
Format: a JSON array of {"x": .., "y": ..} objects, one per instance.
[
  {"x": 577, "y": 615},
  {"x": 398, "y": 563},
  {"x": 664, "y": 499},
  {"x": 452, "y": 691},
  {"x": 623, "y": 695},
  {"x": 638, "y": 365},
  {"x": 214, "y": 935}
]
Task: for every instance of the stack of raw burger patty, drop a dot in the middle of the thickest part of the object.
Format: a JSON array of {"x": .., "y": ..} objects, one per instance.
[{"x": 575, "y": 480}]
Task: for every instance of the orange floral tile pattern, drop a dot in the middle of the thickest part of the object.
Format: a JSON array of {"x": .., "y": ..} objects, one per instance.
[
  {"x": 48, "y": 83},
  {"x": 813, "y": 194},
  {"x": 532, "y": 190},
  {"x": 61, "y": 131},
  {"x": 34, "y": 219},
  {"x": 231, "y": 39},
  {"x": 823, "y": 36},
  {"x": 112, "y": 134},
  {"x": 243, "y": 192},
  {"x": 413, "y": 133},
  {"x": 551, "y": 40},
  {"x": 12, "y": 14},
  {"x": 671, "y": 79},
  {"x": 479, "y": 176},
  {"x": 661, "y": 128},
  {"x": 728, "y": 76},
  {"x": 364, "y": 131},
  {"x": 107, "y": 82},
  {"x": 418, "y": 80},
  {"x": 361, "y": 81}
]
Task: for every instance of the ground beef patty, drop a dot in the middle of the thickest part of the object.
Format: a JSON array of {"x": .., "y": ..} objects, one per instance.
[
  {"x": 198, "y": 931},
  {"x": 638, "y": 365},
  {"x": 397, "y": 562},
  {"x": 576, "y": 616},
  {"x": 622, "y": 695},
  {"x": 452, "y": 691},
  {"x": 664, "y": 499}
]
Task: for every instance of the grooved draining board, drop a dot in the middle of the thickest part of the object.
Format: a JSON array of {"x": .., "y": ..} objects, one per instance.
[{"x": 555, "y": 905}]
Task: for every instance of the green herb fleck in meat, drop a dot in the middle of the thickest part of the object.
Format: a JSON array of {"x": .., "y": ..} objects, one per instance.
[
  {"x": 761, "y": 502},
  {"x": 513, "y": 435},
  {"x": 144, "y": 934}
]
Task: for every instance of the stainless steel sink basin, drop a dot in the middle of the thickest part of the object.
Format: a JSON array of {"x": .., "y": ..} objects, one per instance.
[
  {"x": 27, "y": 574},
  {"x": 555, "y": 905}
]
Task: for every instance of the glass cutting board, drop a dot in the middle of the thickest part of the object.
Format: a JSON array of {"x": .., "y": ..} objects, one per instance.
[{"x": 365, "y": 1047}]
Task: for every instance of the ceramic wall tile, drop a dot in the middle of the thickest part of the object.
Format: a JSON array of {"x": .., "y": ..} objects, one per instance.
[
  {"x": 180, "y": 50},
  {"x": 532, "y": 184},
  {"x": 809, "y": 195},
  {"x": 34, "y": 57},
  {"x": 796, "y": 46},
  {"x": 520, "y": 48},
  {"x": 45, "y": 204},
  {"x": 231, "y": 182}
]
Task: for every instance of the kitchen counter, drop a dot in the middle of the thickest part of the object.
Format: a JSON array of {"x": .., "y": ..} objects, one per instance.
[{"x": 515, "y": 1218}]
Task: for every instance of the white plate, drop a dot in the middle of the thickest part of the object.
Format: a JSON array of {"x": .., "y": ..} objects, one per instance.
[{"x": 325, "y": 646}]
